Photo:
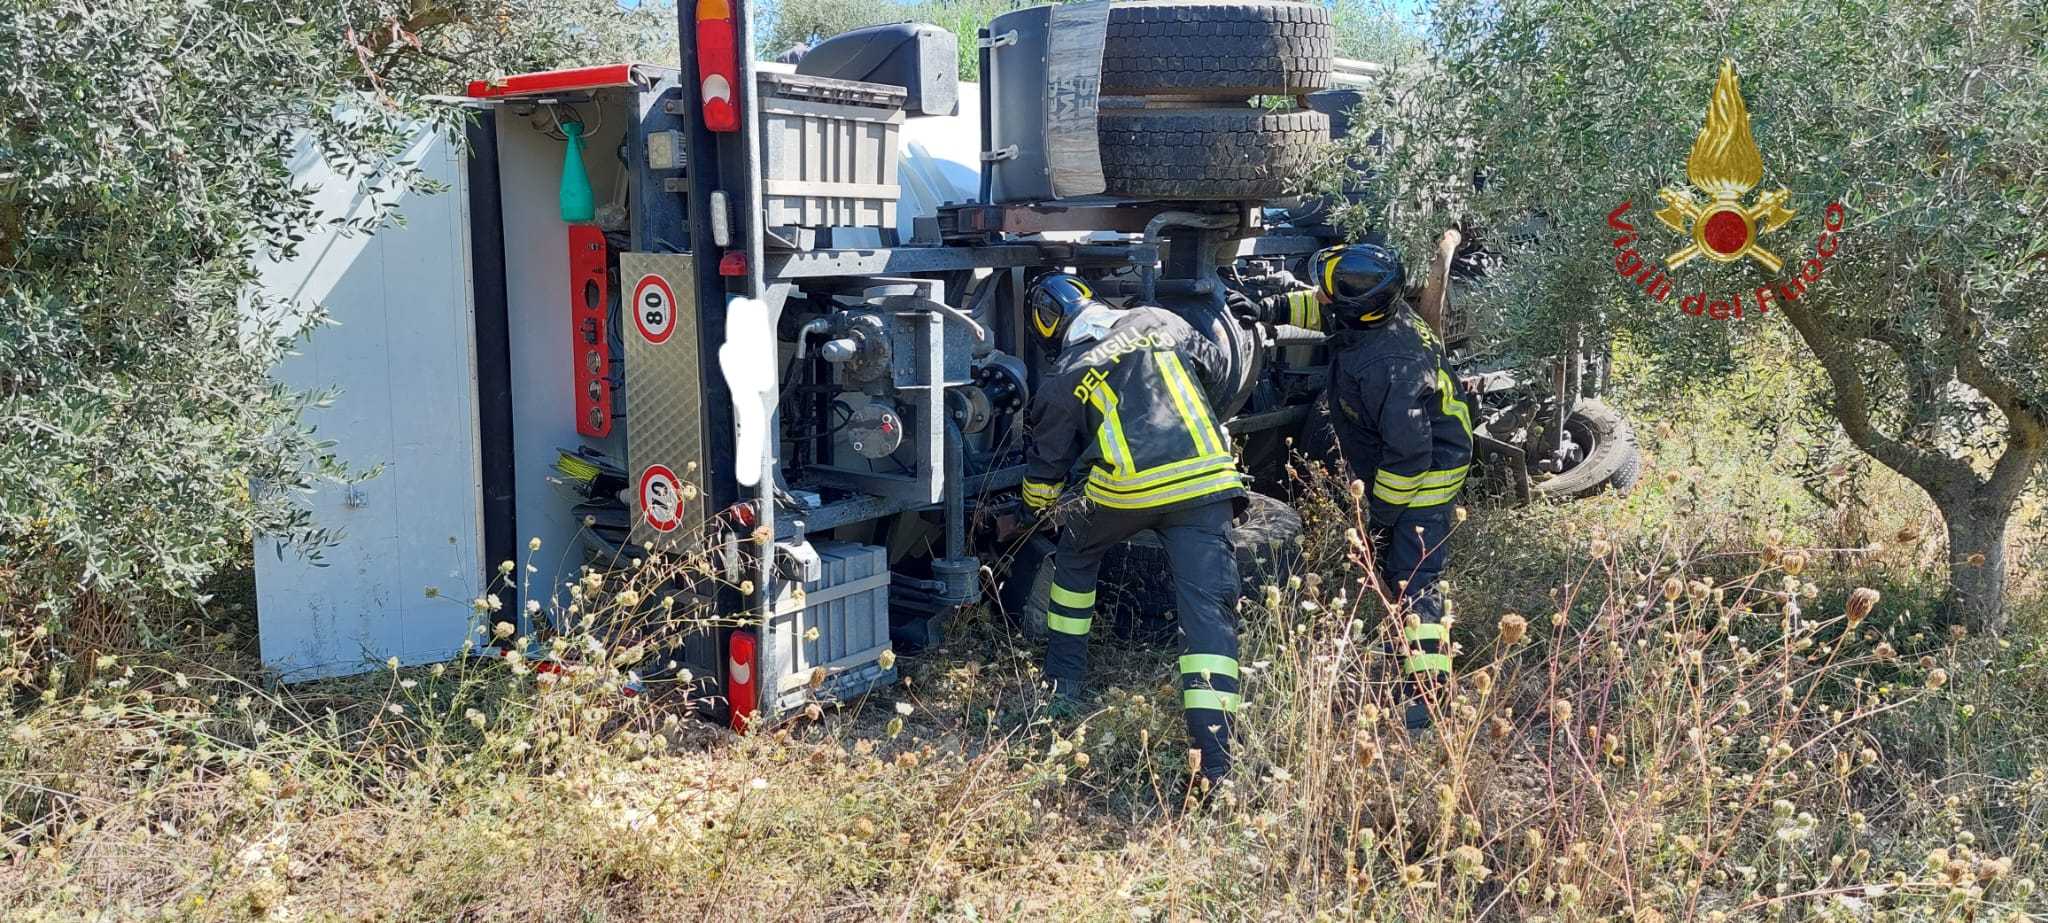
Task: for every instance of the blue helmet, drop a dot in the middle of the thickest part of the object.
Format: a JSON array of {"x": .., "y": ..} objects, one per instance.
[
  {"x": 1361, "y": 281},
  {"x": 1054, "y": 299}
]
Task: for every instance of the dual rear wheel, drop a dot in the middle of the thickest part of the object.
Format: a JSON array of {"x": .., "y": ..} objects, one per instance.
[{"x": 1180, "y": 79}]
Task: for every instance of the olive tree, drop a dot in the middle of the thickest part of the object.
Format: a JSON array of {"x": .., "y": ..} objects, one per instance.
[
  {"x": 1926, "y": 306},
  {"x": 144, "y": 171}
]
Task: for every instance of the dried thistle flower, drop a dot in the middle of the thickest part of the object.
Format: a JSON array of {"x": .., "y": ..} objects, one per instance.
[
  {"x": 1673, "y": 588},
  {"x": 1795, "y": 562},
  {"x": 1561, "y": 709},
  {"x": 1937, "y": 678},
  {"x": 1469, "y": 862},
  {"x": 1366, "y": 751},
  {"x": 1600, "y": 548},
  {"x": 1861, "y": 603}
]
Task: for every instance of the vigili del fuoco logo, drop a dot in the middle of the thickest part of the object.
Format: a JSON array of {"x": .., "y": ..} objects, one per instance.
[{"x": 1727, "y": 226}]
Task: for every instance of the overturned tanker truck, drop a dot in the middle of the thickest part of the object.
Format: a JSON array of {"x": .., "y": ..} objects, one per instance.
[{"x": 794, "y": 332}]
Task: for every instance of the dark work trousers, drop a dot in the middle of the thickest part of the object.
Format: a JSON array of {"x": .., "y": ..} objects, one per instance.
[
  {"x": 1412, "y": 554},
  {"x": 1204, "y": 570}
]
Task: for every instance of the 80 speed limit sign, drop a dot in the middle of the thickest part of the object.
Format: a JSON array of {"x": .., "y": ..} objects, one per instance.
[{"x": 654, "y": 308}]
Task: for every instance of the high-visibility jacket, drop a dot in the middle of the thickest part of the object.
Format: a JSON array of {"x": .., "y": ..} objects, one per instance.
[
  {"x": 1133, "y": 410},
  {"x": 1401, "y": 417}
]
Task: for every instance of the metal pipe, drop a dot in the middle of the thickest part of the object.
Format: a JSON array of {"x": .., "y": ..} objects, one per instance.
[
  {"x": 1290, "y": 335},
  {"x": 803, "y": 334},
  {"x": 1148, "y": 275},
  {"x": 956, "y": 491},
  {"x": 980, "y": 332}
]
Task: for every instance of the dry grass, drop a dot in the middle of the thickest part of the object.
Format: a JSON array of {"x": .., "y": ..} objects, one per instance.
[{"x": 1670, "y": 706}]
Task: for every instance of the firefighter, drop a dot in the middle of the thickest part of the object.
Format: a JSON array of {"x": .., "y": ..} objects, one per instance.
[
  {"x": 1404, "y": 428},
  {"x": 1125, "y": 411}
]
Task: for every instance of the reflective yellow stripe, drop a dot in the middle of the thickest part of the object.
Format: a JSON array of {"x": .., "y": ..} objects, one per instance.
[
  {"x": 1194, "y": 414},
  {"x": 1067, "y": 626},
  {"x": 1445, "y": 477},
  {"x": 1399, "y": 481},
  {"x": 1427, "y": 663},
  {"x": 1110, "y": 435},
  {"x": 1428, "y": 631},
  {"x": 1161, "y": 474},
  {"x": 1209, "y": 664},
  {"x": 1437, "y": 497},
  {"x": 1429, "y": 488},
  {"x": 1210, "y": 698},
  {"x": 1303, "y": 311},
  {"x": 1450, "y": 403},
  {"x": 1165, "y": 496},
  {"x": 1213, "y": 475},
  {"x": 1073, "y": 599}
]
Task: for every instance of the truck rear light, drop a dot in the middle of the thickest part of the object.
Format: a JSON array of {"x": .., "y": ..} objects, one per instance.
[
  {"x": 721, "y": 219},
  {"x": 733, "y": 264},
  {"x": 718, "y": 65},
  {"x": 742, "y": 514},
  {"x": 740, "y": 688}
]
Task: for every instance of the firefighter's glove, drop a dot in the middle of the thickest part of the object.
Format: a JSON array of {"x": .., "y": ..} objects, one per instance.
[{"x": 1243, "y": 306}]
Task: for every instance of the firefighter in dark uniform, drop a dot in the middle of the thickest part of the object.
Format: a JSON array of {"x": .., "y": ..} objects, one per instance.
[
  {"x": 1125, "y": 412},
  {"x": 1404, "y": 427}
]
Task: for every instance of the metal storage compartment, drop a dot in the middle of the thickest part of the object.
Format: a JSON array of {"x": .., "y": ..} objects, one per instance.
[
  {"x": 849, "y": 606},
  {"x": 828, "y": 151}
]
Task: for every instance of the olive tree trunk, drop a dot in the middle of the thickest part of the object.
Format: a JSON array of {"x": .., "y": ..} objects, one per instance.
[
  {"x": 1975, "y": 507},
  {"x": 1976, "y": 565}
]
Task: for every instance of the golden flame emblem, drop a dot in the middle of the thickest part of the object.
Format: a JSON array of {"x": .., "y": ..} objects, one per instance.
[{"x": 1725, "y": 164}]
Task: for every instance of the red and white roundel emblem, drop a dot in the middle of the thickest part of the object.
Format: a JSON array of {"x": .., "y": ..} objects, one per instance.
[
  {"x": 654, "y": 308},
  {"x": 661, "y": 498}
]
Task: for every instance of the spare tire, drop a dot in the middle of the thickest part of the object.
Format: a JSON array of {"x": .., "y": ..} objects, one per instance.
[
  {"x": 1611, "y": 460},
  {"x": 1207, "y": 153},
  {"x": 1135, "y": 585},
  {"x": 1216, "y": 50}
]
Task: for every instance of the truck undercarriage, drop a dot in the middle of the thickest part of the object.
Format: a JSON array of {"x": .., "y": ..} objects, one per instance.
[{"x": 795, "y": 346}]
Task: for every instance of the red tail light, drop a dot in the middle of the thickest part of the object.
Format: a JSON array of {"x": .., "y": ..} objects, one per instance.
[
  {"x": 718, "y": 65},
  {"x": 740, "y": 687}
]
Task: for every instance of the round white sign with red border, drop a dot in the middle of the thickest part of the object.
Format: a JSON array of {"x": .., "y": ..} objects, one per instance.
[
  {"x": 654, "y": 308},
  {"x": 661, "y": 498}
]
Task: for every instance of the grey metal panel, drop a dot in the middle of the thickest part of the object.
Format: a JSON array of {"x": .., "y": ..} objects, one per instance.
[
  {"x": 828, "y": 151},
  {"x": 849, "y": 606},
  {"x": 1045, "y": 74},
  {"x": 665, "y": 388},
  {"x": 897, "y": 261},
  {"x": 659, "y": 223},
  {"x": 403, "y": 358}
]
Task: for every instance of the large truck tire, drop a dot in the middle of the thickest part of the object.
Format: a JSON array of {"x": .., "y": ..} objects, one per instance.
[
  {"x": 1135, "y": 585},
  {"x": 1208, "y": 153},
  {"x": 1216, "y": 50},
  {"x": 1267, "y": 539},
  {"x": 1612, "y": 461}
]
